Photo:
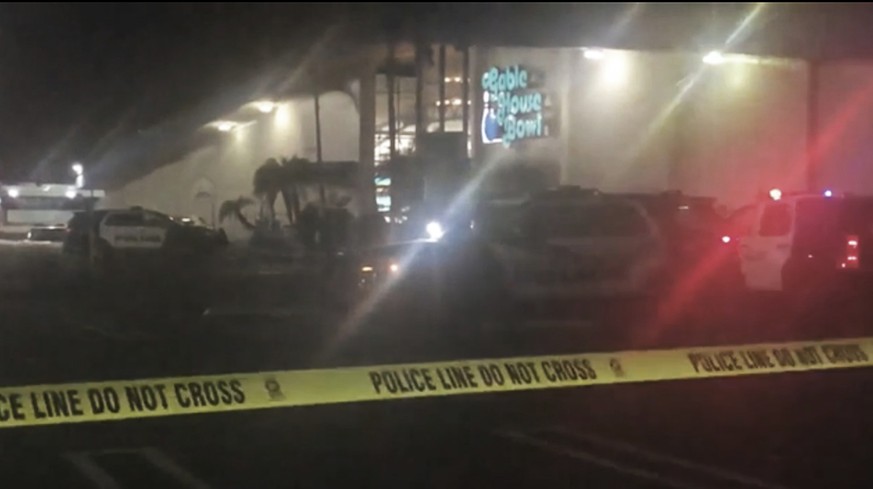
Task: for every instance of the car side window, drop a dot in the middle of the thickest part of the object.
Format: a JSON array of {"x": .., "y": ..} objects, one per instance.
[
  {"x": 153, "y": 219},
  {"x": 125, "y": 219},
  {"x": 775, "y": 220}
]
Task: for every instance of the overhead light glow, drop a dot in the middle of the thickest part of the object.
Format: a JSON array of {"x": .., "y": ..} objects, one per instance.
[
  {"x": 70, "y": 193},
  {"x": 593, "y": 54},
  {"x": 265, "y": 106},
  {"x": 775, "y": 194},
  {"x": 828, "y": 193},
  {"x": 615, "y": 71},
  {"x": 78, "y": 169},
  {"x": 226, "y": 126},
  {"x": 714, "y": 58},
  {"x": 725, "y": 239},
  {"x": 13, "y": 192},
  {"x": 434, "y": 230}
]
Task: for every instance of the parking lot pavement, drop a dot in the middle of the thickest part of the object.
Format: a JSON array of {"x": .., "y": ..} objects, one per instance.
[
  {"x": 437, "y": 444},
  {"x": 792, "y": 430},
  {"x": 796, "y": 430}
]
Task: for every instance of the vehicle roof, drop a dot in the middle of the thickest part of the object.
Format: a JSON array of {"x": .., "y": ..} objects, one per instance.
[
  {"x": 816, "y": 196},
  {"x": 125, "y": 209},
  {"x": 32, "y": 189}
]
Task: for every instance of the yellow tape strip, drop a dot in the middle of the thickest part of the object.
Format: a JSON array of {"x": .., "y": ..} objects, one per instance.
[{"x": 105, "y": 401}]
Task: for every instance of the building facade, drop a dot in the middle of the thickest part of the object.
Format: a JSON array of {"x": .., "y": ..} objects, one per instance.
[{"x": 720, "y": 125}]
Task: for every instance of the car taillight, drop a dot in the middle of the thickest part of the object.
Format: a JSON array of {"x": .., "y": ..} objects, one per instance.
[{"x": 852, "y": 261}]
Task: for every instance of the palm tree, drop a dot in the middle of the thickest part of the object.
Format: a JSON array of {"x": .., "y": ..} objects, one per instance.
[
  {"x": 292, "y": 173},
  {"x": 267, "y": 184},
  {"x": 233, "y": 208},
  {"x": 290, "y": 177}
]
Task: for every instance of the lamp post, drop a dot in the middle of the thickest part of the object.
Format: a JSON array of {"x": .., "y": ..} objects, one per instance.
[{"x": 79, "y": 171}]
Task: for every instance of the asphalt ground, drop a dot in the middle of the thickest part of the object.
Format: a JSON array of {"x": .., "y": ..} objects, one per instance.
[{"x": 787, "y": 430}]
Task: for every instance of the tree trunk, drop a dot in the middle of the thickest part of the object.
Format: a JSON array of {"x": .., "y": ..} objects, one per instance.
[
  {"x": 270, "y": 204},
  {"x": 243, "y": 219},
  {"x": 288, "y": 197},
  {"x": 295, "y": 203}
]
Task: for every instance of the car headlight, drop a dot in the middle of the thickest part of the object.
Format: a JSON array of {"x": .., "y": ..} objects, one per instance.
[{"x": 435, "y": 230}]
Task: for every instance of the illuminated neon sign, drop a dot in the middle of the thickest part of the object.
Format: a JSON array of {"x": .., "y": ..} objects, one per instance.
[{"x": 512, "y": 109}]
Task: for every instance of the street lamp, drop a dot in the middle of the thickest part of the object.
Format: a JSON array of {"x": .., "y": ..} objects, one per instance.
[
  {"x": 265, "y": 106},
  {"x": 226, "y": 126},
  {"x": 79, "y": 170},
  {"x": 593, "y": 54},
  {"x": 714, "y": 58}
]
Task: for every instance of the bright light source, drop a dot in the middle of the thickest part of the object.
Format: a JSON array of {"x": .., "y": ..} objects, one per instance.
[
  {"x": 13, "y": 192},
  {"x": 775, "y": 194},
  {"x": 435, "y": 230},
  {"x": 282, "y": 117},
  {"x": 394, "y": 268},
  {"x": 714, "y": 58},
  {"x": 78, "y": 169},
  {"x": 265, "y": 106},
  {"x": 725, "y": 239},
  {"x": 366, "y": 269},
  {"x": 70, "y": 193},
  {"x": 615, "y": 70},
  {"x": 593, "y": 54},
  {"x": 738, "y": 76},
  {"x": 226, "y": 126},
  {"x": 828, "y": 193}
]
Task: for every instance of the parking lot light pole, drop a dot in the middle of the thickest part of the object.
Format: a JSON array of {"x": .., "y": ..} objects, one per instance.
[{"x": 79, "y": 170}]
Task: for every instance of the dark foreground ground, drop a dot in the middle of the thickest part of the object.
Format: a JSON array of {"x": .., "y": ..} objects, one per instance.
[{"x": 790, "y": 430}]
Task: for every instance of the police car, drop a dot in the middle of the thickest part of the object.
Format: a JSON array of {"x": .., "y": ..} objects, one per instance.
[
  {"x": 803, "y": 243},
  {"x": 138, "y": 230},
  {"x": 570, "y": 242}
]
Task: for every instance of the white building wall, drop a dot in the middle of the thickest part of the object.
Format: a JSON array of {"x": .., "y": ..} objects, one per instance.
[
  {"x": 225, "y": 170},
  {"x": 740, "y": 128},
  {"x": 743, "y": 131},
  {"x": 845, "y": 125},
  {"x": 622, "y": 127}
]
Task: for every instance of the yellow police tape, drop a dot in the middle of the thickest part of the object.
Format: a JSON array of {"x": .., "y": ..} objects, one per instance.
[{"x": 115, "y": 400}]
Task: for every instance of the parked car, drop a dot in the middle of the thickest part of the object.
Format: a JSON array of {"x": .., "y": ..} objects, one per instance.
[
  {"x": 137, "y": 231},
  {"x": 808, "y": 244}
]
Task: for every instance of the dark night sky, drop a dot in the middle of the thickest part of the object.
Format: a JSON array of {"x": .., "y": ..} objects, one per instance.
[
  {"x": 73, "y": 76},
  {"x": 75, "y": 79}
]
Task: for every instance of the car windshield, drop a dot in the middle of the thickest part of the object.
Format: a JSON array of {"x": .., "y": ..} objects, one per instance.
[{"x": 588, "y": 221}]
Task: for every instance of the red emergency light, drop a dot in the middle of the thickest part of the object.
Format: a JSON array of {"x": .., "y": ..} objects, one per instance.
[{"x": 852, "y": 260}]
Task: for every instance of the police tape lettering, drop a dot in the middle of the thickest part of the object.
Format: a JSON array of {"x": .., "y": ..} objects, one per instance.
[
  {"x": 779, "y": 358},
  {"x": 118, "y": 400},
  {"x": 478, "y": 376}
]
